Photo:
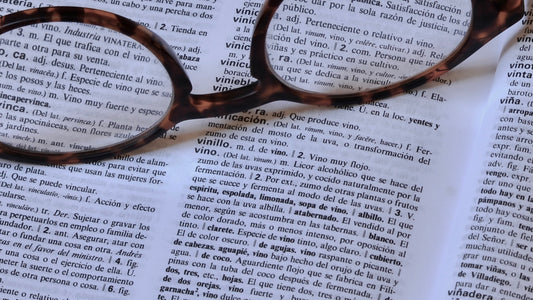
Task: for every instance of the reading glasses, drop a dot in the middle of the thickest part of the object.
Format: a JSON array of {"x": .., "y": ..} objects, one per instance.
[{"x": 80, "y": 84}]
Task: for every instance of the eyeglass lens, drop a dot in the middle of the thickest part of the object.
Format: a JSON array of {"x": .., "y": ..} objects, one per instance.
[
  {"x": 343, "y": 47},
  {"x": 67, "y": 88}
]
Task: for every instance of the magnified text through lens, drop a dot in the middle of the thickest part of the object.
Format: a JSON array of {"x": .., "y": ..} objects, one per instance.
[
  {"x": 70, "y": 87},
  {"x": 343, "y": 47}
]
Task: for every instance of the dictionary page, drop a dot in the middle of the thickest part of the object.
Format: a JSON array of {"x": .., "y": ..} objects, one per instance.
[
  {"x": 280, "y": 201},
  {"x": 491, "y": 254}
]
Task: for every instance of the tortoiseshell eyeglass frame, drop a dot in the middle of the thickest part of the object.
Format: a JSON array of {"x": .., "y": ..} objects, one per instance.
[{"x": 489, "y": 18}]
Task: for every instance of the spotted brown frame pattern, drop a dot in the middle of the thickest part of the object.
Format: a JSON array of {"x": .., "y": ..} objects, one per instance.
[{"x": 489, "y": 18}]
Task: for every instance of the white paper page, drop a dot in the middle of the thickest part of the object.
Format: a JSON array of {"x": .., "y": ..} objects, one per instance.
[
  {"x": 485, "y": 258},
  {"x": 447, "y": 196}
]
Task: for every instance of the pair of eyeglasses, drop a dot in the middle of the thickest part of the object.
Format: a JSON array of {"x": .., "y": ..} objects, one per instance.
[{"x": 80, "y": 84}]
